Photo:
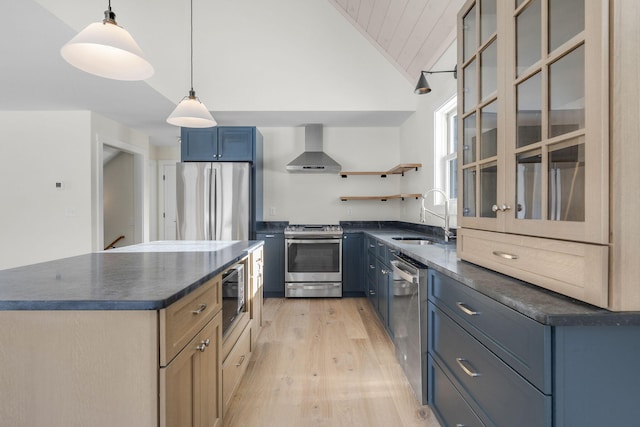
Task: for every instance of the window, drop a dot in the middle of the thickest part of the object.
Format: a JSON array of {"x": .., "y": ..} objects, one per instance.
[{"x": 446, "y": 148}]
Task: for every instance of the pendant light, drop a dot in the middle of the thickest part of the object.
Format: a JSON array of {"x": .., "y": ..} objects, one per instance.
[
  {"x": 107, "y": 50},
  {"x": 190, "y": 112}
]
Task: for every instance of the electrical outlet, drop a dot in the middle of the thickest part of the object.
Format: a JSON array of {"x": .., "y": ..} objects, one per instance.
[{"x": 272, "y": 211}]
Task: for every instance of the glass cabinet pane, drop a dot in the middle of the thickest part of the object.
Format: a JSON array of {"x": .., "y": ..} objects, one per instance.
[
  {"x": 469, "y": 192},
  {"x": 566, "y": 93},
  {"x": 489, "y": 70},
  {"x": 487, "y": 19},
  {"x": 488, "y": 189},
  {"x": 489, "y": 128},
  {"x": 453, "y": 182},
  {"x": 470, "y": 86},
  {"x": 567, "y": 183},
  {"x": 529, "y": 113},
  {"x": 529, "y": 185},
  {"x": 566, "y": 19},
  {"x": 470, "y": 33},
  {"x": 528, "y": 36},
  {"x": 469, "y": 140}
]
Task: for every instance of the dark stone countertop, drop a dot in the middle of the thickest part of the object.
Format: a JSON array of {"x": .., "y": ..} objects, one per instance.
[
  {"x": 544, "y": 306},
  {"x": 141, "y": 277}
]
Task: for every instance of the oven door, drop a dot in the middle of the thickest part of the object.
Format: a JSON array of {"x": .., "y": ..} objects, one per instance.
[{"x": 313, "y": 260}]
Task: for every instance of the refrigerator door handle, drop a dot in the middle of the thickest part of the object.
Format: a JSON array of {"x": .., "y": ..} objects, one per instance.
[{"x": 213, "y": 208}]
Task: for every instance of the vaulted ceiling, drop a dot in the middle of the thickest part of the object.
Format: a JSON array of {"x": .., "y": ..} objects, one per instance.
[
  {"x": 411, "y": 34},
  {"x": 256, "y": 62}
]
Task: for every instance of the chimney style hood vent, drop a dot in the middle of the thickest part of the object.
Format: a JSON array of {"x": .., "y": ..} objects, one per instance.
[{"x": 313, "y": 160}]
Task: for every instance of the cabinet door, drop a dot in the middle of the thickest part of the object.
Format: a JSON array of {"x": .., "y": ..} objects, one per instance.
[
  {"x": 557, "y": 113},
  {"x": 273, "y": 284},
  {"x": 481, "y": 118},
  {"x": 190, "y": 386},
  {"x": 236, "y": 144},
  {"x": 199, "y": 145},
  {"x": 352, "y": 264},
  {"x": 533, "y": 118}
]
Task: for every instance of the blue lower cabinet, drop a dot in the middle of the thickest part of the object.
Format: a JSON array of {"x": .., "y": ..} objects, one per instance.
[
  {"x": 353, "y": 262},
  {"x": 273, "y": 286},
  {"x": 498, "y": 394},
  {"x": 446, "y": 401},
  {"x": 512, "y": 371}
]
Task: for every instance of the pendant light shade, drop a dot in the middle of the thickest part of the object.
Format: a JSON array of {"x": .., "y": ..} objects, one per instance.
[
  {"x": 423, "y": 86},
  {"x": 190, "y": 112},
  {"x": 107, "y": 50}
]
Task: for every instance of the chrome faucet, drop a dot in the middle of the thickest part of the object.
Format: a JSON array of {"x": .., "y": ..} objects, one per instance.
[{"x": 423, "y": 217}]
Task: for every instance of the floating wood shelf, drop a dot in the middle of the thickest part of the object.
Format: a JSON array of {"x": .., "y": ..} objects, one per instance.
[
  {"x": 398, "y": 170},
  {"x": 381, "y": 198}
]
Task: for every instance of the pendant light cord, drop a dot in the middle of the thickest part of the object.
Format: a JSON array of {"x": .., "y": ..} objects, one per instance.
[{"x": 191, "y": 45}]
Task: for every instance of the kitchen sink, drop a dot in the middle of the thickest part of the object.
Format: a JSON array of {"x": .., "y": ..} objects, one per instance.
[{"x": 415, "y": 240}]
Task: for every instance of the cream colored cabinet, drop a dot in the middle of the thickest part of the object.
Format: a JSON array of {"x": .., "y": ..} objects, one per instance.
[
  {"x": 534, "y": 123},
  {"x": 256, "y": 262},
  {"x": 191, "y": 380},
  {"x": 190, "y": 384}
]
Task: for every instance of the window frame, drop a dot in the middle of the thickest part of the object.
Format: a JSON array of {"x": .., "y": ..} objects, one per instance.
[{"x": 445, "y": 148}]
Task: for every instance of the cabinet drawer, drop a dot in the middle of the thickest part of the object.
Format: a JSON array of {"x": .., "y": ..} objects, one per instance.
[
  {"x": 496, "y": 391},
  {"x": 184, "y": 318},
  {"x": 578, "y": 270},
  {"x": 234, "y": 366},
  {"x": 447, "y": 402},
  {"x": 521, "y": 342}
]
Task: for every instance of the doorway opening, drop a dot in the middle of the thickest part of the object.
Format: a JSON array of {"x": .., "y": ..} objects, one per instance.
[{"x": 120, "y": 199}]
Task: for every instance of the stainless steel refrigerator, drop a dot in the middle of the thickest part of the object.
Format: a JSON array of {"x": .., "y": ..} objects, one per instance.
[{"x": 214, "y": 201}]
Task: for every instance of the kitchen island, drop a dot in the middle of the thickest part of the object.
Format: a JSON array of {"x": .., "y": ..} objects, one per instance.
[{"x": 124, "y": 337}]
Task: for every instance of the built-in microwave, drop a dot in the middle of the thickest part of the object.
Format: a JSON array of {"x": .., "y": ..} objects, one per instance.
[{"x": 233, "y": 295}]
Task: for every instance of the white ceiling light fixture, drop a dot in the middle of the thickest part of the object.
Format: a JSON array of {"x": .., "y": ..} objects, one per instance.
[
  {"x": 107, "y": 50},
  {"x": 190, "y": 112}
]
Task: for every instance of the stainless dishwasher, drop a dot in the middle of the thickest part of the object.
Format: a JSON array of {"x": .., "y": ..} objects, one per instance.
[{"x": 409, "y": 321}]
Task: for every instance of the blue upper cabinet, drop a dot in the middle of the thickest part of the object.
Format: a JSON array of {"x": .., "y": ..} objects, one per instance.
[
  {"x": 218, "y": 144},
  {"x": 236, "y": 144}
]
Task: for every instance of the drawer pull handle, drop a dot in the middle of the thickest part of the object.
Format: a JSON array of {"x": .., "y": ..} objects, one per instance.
[
  {"x": 200, "y": 309},
  {"x": 466, "y": 367},
  {"x": 240, "y": 362},
  {"x": 460, "y": 425},
  {"x": 505, "y": 255},
  {"x": 466, "y": 309}
]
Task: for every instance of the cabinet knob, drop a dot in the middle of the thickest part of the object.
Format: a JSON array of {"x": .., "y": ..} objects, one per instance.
[
  {"x": 203, "y": 345},
  {"x": 501, "y": 208}
]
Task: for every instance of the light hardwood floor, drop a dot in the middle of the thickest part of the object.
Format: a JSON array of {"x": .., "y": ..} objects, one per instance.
[{"x": 324, "y": 362}]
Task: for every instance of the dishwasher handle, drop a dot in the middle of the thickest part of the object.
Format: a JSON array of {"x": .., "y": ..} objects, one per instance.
[{"x": 404, "y": 271}]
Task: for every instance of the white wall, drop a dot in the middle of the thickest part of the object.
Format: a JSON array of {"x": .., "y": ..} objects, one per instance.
[
  {"x": 37, "y": 149},
  {"x": 37, "y": 221},
  {"x": 314, "y": 198},
  {"x": 417, "y": 139}
]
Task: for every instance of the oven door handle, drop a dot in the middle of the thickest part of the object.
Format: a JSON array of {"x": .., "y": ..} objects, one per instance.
[{"x": 335, "y": 241}]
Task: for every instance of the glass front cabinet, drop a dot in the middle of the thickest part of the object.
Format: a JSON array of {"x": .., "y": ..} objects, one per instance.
[{"x": 533, "y": 93}]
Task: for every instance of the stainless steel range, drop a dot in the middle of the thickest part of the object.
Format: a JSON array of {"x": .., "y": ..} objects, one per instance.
[{"x": 313, "y": 261}]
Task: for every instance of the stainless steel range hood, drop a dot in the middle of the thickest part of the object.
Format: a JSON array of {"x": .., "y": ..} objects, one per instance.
[{"x": 313, "y": 159}]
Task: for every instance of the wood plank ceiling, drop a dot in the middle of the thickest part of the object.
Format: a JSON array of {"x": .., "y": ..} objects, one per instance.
[{"x": 411, "y": 34}]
